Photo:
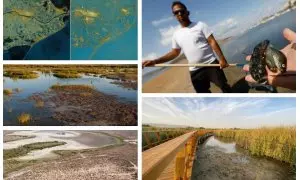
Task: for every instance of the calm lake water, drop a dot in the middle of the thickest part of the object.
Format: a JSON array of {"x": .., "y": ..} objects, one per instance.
[
  {"x": 112, "y": 35},
  {"x": 19, "y": 103},
  {"x": 234, "y": 48}
]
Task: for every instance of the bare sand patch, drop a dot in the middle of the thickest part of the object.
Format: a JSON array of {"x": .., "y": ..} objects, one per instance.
[{"x": 178, "y": 80}]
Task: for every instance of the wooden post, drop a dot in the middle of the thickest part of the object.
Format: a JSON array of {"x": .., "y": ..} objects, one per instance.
[
  {"x": 149, "y": 144},
  {"x": 180, "y": 165},
  {"x": 158, "y": 137}
]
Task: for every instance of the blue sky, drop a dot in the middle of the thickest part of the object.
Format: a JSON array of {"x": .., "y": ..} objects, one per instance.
[
  {"x": 220, "y": 112},
  {"x": 225, "y": 18}
]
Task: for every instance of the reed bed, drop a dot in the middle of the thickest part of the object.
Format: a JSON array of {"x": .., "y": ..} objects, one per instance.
[
  {"x": 67, "y": 75},
  {"x": 21, "y": 74},
  {"x": 123, "y": 72},
  {"x": 278, "y": 142},
  {"x": 154, "y": 138},
  {"x": 7, "y": 92}
]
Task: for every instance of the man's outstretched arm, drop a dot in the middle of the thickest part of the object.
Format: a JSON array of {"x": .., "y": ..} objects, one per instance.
[
  {"x": 215, "y": 46},
  {"x": 167, "y": 57}
]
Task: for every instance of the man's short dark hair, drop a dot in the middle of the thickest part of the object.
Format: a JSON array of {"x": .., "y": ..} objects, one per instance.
[{"x": 178, "y": 3}]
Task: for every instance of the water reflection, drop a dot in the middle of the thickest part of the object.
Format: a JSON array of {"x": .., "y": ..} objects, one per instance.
[
  {"x": 45, "y": 81},
  {"x": 19, "y": 102}
]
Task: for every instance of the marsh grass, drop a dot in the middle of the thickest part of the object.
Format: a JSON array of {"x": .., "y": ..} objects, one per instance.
[
  {"x": 24, "y": 118},
  {"x": 67, "y": 75},
  {"x": 21, "y": 74},
  {"x": 278, "y": 143},
  {"x": 23, "y": 150},
  {"x": 158, "y": 137},
  {"x": 87, "y": 88},
  {"x": 12, "y": 165},
  {"x": 7, "y": 92},
  {"x": 17, "y": 90},
  {"x": 39, "y": 104},
  {"x": 73, "y": 71}
]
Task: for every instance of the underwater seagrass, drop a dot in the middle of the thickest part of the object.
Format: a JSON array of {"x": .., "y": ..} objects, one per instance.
[
  {"x": 27, "y": 22},
  {"x": 95, "y": 22}
]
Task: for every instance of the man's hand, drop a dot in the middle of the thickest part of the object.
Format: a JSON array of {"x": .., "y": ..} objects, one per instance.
[
  {"x": 148, "y": 63},
  {"x": 287, "y": 79},
  {"x": 215, "y": 46},
  {"x": 167, "y": 57},
  {"x": 223, "y": 63}
]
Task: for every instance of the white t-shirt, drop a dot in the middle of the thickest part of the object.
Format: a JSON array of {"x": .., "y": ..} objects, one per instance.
[{"x": 193, "y": 41}]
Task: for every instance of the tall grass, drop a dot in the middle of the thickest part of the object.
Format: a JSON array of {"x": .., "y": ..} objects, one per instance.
[
  {"x": 67, "y": 75},
  {"x": 7, "y": 92},
  {"x": 24, "y": 118},
  {"x": 158, "y": 137},
  {"x": 21, "y": 74},
  {"x": 128, "y": 72},
  {"x": 278, "y": 143}
]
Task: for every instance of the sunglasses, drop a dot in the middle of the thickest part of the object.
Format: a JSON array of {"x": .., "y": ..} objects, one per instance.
[{"x": 181, "y": 11}]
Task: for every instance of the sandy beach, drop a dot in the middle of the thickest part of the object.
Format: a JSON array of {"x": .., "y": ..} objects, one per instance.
[{"x": 177, "y": 80}]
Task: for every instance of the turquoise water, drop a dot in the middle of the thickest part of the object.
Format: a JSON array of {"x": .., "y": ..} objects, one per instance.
[
  {"x": 234, "y": 48},
  {"x": 19, "y": 102},
  {"x": 109, "y": 34}
]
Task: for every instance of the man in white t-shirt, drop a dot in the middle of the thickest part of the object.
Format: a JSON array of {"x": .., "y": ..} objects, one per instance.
[{"x": 198, "y": 45}]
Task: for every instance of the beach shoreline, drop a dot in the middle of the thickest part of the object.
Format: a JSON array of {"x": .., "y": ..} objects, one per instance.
[{"x": 177, "y": 80}]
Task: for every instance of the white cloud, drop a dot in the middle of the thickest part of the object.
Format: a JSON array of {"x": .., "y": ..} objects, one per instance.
[
  {"x": 150, "y": 56},
  {"x": 167, "y": 34},
  {"x": 225, "y": 27},
  {"x": 217, "y": 113},
  {"x": 162, "y": 21}
]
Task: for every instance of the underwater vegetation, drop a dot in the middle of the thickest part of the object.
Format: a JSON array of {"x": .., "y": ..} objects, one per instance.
[
  {"x": 27, "y": 22},
  {"x": 93, "y": 24}
]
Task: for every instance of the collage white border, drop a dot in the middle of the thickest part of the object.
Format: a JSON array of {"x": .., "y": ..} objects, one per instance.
[{"x": 140, "y": 95}]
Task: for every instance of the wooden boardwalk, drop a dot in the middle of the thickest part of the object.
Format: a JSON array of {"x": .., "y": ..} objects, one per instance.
[{"x": 163, "y": 161}]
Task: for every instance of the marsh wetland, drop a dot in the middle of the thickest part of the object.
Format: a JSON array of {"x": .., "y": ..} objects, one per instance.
[
  {"x": 70, "y": 155},
  {"x": 70, "y": 95},
  {"x": 28, "y": 23},
  {"x": 221, "y": 158}
]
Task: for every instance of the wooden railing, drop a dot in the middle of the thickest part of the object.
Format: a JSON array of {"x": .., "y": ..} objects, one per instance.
[
  {"x": 172, "y": 159},
  {"x": 154, "y": 138}
]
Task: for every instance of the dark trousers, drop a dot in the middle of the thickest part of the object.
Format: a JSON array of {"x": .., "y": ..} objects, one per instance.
[{"x": 202, "y": 77}]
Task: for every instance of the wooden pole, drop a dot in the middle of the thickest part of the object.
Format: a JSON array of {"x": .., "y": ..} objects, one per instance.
[{"x": 195, "y": 65}]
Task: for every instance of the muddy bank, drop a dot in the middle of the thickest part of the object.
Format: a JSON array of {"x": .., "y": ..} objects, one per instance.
[
  {"x": 110, "y": 163},
  {"x": 83, "y": 105},
  {"x": 222, "y": 160},
  {"x": 126, "y": 84}
]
